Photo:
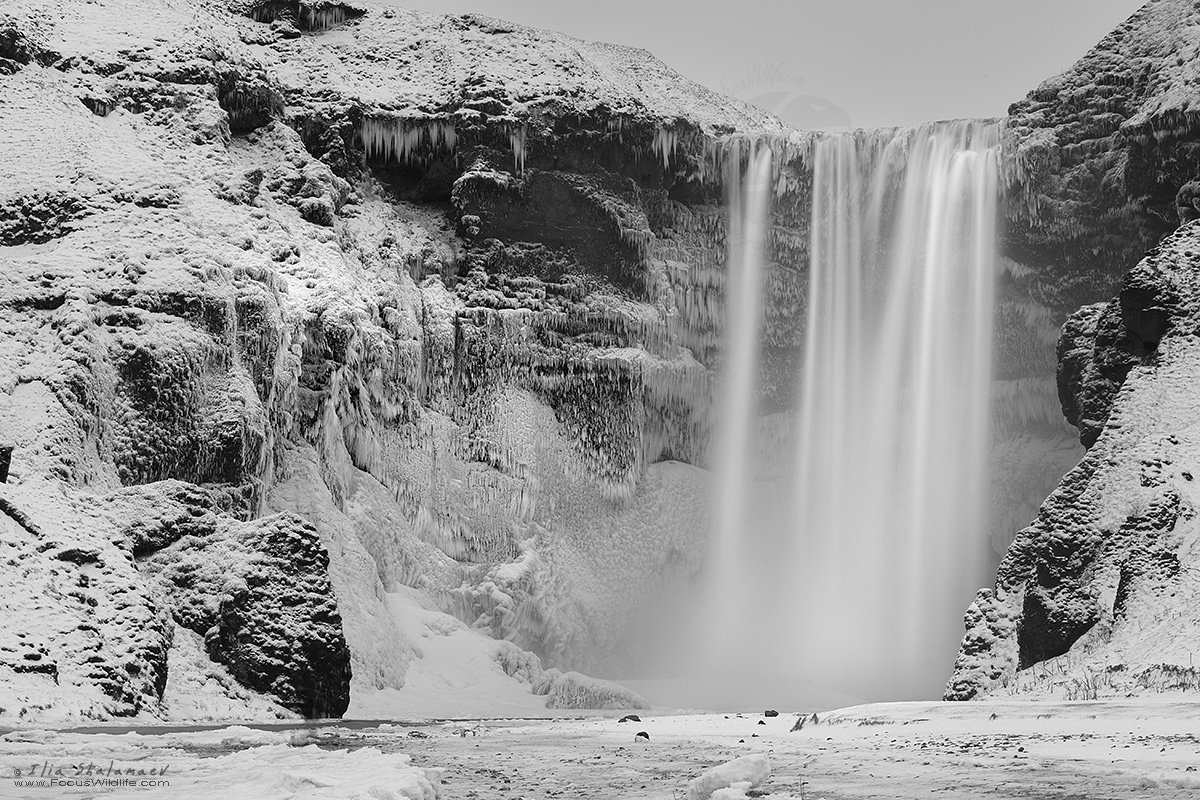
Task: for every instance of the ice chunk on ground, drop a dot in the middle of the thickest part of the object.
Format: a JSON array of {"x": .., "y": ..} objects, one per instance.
[
  {"x": 737, "y": 776},
  {"x": 735, "y": 792}
]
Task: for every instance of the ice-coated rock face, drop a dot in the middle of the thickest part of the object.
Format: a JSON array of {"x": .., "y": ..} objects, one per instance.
[
  {"x": 1098, "y": 596},
  {"x": 1102, "y": 158},
  {"x": 388, "y": 298},
  {"x": 84, "y": 635},
  {"x": 1101, "y": 163}
]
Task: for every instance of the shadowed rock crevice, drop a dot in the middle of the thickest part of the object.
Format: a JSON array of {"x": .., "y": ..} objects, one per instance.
[
  {"x": 1101, "y": 343},
  {"x": 1045, "y": 631}
]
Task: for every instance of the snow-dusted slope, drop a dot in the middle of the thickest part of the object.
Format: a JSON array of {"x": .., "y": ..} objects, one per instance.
[{"x": 414, "y": 61}]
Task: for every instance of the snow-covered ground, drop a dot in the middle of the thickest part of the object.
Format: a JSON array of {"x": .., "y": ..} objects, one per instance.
[{"x": 1019, "y": 749}]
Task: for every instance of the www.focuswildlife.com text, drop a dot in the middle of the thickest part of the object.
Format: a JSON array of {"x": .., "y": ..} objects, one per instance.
[{"x": 91, "y": 783}]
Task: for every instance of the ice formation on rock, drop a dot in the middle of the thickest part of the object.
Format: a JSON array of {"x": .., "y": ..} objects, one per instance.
[
  {"x": 517, "y": 140},
  {"x": 407, "y": 140},
  {"x": 239, "y": 324},
  {"x": 665, "y": 140},
  {"x": 309, "y": 15},
  {"x": 747, "y": 772},
  {"x": 325, "y": 16}
]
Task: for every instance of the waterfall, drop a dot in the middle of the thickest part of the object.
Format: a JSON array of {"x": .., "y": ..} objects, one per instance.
[
  {"x": 851, "y": 574},
  {"x": 749, "y": 208}
]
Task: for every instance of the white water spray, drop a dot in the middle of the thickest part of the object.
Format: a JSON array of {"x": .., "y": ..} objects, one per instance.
[{"x": 852, "y": 575}]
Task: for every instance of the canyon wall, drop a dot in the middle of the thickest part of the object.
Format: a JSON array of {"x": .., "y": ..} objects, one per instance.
[
  {"x": 304, "y": 302},
  {"x": 1094, "y": 598}
]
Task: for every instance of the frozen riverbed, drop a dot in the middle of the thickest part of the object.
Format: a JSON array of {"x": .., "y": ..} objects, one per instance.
[{"x": 1135, "y": 749}]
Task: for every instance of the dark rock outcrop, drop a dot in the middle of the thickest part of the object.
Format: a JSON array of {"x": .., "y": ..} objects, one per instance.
[
  {"x": 1101, "y": 343},
  {"x": 259, "y": 594}
]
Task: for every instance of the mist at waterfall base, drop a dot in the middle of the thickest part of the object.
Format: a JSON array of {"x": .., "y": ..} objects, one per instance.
[{"x": 844, "y": 576}]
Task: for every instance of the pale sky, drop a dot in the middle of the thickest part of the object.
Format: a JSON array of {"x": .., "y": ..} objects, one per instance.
[{"x": 881, "y": 62}]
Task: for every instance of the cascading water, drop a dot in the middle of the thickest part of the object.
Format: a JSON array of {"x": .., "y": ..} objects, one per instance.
[
  {"x": 851, "y": 574},
  {"x": 749, "y": 207}
]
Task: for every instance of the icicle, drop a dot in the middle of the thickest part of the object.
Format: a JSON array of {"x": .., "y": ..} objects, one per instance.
[
  {"x": 322, "y": 19},
  {"x": 665, "y": 142},
  {"x": 712, "y": 163},
  {"x": 399, "y": 139},
  {"x": 616, "y": 125},
  {"x": 516, "y": 140}
]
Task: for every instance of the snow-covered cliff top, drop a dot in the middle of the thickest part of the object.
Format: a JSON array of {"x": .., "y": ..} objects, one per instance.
[{"x": 379, "y": 54}]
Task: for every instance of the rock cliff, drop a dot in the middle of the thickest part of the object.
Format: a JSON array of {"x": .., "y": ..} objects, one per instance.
[
  {"x": 1098, "y": 596},
  {"x": 1103, "y": 159},
  {"x": 1092, "y": 599},
  {"x": 1101, "y": 163},
  {"x": 303, "y": 302}
]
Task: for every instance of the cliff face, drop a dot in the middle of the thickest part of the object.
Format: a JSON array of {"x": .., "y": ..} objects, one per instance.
[
  {"x": 1098, "y": 596},
  {"x": 304, "y": 302},
  {"x": 1101, "y": 163},
  {"x": 1102, "y": 159},
  {"x": 1093, "y": 597}
]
